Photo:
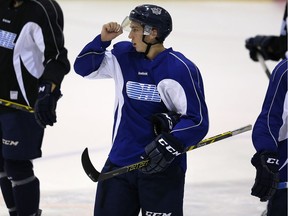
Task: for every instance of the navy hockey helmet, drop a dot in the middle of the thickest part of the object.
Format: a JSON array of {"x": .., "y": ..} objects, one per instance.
[{"x": 153, "y": 16}]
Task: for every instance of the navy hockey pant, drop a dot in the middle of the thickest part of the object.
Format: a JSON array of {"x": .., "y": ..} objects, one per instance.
[
  {"x": 21, "y": 141},
  {"x": 277, "y": 205},
  {"x": 158, "y": 194}
]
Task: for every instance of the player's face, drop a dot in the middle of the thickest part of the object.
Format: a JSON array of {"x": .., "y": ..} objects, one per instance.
[{"x": 136, "y": 35}]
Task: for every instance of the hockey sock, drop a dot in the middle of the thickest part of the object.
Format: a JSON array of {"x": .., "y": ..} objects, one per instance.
[
  {"x": 27, "y": 196},
  {"x": 7, "y": 193},
  {"x": 25, "y": 186}
]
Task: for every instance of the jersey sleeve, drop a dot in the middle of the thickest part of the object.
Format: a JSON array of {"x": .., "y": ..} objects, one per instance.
[
  {"x": 91, "y": 57},
  {"x": 185, "y": 95},
  {"x": 271, "y": 125},
  {"x": 56, "y": 63}
]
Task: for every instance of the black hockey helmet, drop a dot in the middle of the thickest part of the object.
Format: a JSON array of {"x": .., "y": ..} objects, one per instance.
[{"x": 153, "y": 16}]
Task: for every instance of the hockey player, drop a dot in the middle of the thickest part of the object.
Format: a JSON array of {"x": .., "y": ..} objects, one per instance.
[
  {"x": 32, "y": 58},
  {"x": 152, "y": 82},
  {"x": 270, "y": 131}
]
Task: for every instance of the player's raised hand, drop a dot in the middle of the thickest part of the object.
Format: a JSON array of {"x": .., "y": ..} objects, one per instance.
[{"x": 110, "y": 31}]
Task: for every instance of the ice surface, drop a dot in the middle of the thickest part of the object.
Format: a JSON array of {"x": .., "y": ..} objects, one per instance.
[{"x": 212, "y": 35}]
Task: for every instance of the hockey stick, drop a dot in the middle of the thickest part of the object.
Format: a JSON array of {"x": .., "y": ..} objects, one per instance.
[
  {"x": 263, "y": 64},
  {"x": 16, "y": 105},
  {"x": 96, "y": 176}
]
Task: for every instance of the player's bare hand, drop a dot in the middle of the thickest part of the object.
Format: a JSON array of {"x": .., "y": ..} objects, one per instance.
[{"x": 110, "y": 31}]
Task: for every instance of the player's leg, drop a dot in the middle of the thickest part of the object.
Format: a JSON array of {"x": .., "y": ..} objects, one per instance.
[
  {"x": 22, "y": 140},
  {"x": 277, "y": 205},
  {"x": 6, "y": 186},
  {"x": 117, "y": 196},
  {"x": 162, "y": 193},
  {"x": 25, "y": 186}
]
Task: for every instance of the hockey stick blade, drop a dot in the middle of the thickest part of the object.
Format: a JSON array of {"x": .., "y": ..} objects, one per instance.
[
  {"x": 16, "y": 105},
  {"x": 96, "y": 176},
  {"x": 88, "y": 167}
]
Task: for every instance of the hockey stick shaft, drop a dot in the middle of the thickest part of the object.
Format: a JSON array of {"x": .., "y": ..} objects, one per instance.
[
  {"x": 96, "y": 176},
  {"x": 263, "y": 64},
  {"x": 16, "y": 105}
]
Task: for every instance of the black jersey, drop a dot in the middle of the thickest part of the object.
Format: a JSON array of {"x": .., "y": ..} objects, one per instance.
[{"x": 31, "y": 49}]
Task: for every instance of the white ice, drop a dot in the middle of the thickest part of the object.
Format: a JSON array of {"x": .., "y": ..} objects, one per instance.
[{"x": 212, "y": 34}]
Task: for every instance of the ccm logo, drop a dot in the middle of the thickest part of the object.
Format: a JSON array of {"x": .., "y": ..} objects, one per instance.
[
  {"x": 157, "y": 214},
  {"x": 10, "y": 142},
  {"x": 41, "y": 89},
  {"x": 273, "y": 161},
  {"x": 170, "y": 123},
  {"x": 168, "y": 147}
]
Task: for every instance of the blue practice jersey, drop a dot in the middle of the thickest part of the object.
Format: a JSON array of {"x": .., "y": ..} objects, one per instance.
[
  {"x": 270, "y": 131},
  {"x": 144, "y": 87}
]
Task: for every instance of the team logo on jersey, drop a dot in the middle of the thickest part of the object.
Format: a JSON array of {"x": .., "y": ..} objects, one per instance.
[
  {"x": 7, "y": 39},
  {"x": 142, "y": 91}
]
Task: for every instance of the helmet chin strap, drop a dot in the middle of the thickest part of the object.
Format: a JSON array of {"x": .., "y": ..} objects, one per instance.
[{"x": 148, "y": 45}]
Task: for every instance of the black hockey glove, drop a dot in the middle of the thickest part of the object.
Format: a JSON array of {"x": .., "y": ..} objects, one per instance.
[
  {"x": 161, "y": 152},
  {"x": 164, "y": 122},
  {"x": 270, "y": 47},
  {"x": 267, "y": 177},
  {"x": 45, "y": 106}
]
